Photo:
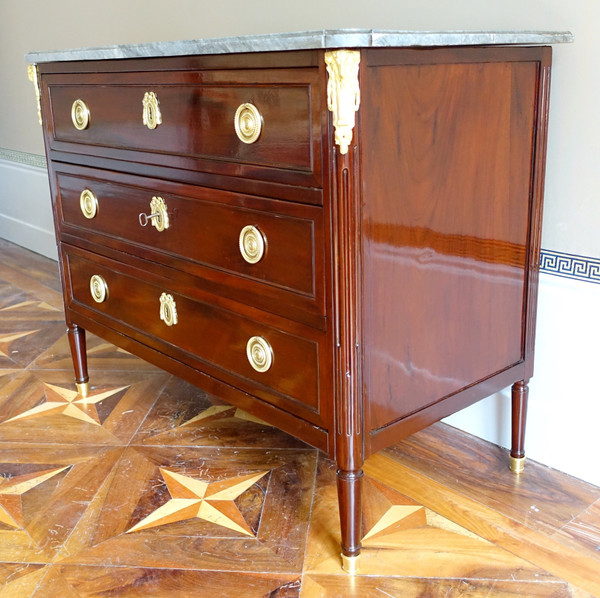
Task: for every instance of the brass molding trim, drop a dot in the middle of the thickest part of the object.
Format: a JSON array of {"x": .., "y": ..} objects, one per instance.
[
  {"x": 151, "y": 115},
  {"x": 343, "y": 93},
  {"x": 32, "y": 73}
]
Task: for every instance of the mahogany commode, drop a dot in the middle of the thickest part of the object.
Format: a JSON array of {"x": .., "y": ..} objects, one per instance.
[{"x": 338, "y": 232}]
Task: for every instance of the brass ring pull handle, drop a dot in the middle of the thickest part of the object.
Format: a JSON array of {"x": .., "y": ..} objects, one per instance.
[
  {"x": 168, "y": 310},
  {"x": 158, "y": 216},
  {"x": 248, "y": 123},
  {"x": 98, "y": 288},
  {"x": 80, "y": 115},
  {"x": 151, "y": 116},
  {"x": 252, "y": 244},
  {"x": 259, "y": 353},
  {"x": 88, "y": 203}
]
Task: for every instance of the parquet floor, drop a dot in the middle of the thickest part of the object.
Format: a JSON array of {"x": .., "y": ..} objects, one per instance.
[{"x": 151, "y": 488}]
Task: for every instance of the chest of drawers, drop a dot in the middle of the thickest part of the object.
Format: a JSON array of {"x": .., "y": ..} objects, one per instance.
[{"x": 343, "y": 242}]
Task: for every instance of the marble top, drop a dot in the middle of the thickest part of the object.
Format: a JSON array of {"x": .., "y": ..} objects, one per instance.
[{"x": 305, "y": 40}]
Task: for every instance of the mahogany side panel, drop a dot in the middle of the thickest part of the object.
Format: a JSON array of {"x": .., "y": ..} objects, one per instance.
[{"x": 447, "y": 154}]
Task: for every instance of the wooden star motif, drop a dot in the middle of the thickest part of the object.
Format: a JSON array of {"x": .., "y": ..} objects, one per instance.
[
  {"x": 386, "y": 512},
  {"x": 69, "y": 403},
  {"x": 7, "y": 339},
  {"x": 12, "y": 490},
  {"x": 192, "y": 498},
  {"x": 221, "y": 411}
]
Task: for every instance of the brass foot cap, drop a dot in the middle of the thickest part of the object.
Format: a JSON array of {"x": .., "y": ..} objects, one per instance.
[
  {"x": 350, "y": 564},
  {"x": 83, "y": 388},
  {"x": 517, "y": 464}
]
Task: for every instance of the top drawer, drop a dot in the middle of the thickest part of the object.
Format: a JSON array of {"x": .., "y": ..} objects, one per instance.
[{"x": 188, "y": 119}]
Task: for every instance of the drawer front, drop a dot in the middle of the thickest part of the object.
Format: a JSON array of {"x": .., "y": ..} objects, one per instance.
[
  {"x": 193, "y": 115},
  {"x": 266, "y": 241},
  {"x": 218, "y": 340}
]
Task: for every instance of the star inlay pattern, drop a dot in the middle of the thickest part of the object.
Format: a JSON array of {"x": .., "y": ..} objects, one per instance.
[
  {"x": 391, "y": 518},
  {"x": 69, "y": 403},
  {"x": 194, "y": 498},
  {"x": 12, "y": 490},
  {"x": 225, "y": 411}
]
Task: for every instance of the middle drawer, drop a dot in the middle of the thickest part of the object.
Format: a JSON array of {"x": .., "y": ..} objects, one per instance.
[{"x": 244, "y": 241}]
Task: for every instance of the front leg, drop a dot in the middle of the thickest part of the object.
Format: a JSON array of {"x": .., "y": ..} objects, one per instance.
[
  {"x": 520, "y": 394},
  {"x": 349, "y": 486},
  {"x": 76, "y": 336}
]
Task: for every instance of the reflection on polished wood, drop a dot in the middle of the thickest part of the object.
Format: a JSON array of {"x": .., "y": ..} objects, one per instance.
[{"x": 150, "y": 487}]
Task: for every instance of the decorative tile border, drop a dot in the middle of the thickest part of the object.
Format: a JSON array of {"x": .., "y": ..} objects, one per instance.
[
  {"x": 22, "y": 157},
  {"x": 570, "y": 266}
]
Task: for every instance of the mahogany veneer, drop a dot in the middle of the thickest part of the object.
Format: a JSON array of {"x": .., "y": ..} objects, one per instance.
[{"x": 399, "y": 279}]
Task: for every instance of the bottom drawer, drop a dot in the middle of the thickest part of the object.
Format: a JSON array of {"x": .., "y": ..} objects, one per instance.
[{"x": 275, "y": 365}]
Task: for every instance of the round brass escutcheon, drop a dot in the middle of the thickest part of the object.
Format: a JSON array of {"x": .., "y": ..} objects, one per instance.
[
  {"x": 98, "y": 288},
  {"x": 252, "y": 244},
  {"x": 248, "y": 123},
  {"x": 151, "y": 115},
  {"x": 88, "y": 203},
  {"x": 168, "y": 310},
  {"x": 260, "y": 353},
  {"x": 80, "y": 115}
]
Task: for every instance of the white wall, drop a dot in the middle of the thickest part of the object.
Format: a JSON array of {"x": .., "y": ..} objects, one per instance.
[
  {"x": 26, "y": 213},
  {"x": 564, "y": 392}
]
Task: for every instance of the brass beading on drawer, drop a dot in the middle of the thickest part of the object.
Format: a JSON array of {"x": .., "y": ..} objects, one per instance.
[
  {"x": 98, "y": 288},
  {"x": 168, "y": 310},
  {"x": 252, "y": 244},
  {"x": 88, "y": 203},
  {"x": 248, "y": 123},
  {"x": 80, "y": 115},
  {"x": 151, "y": 115},
  {"x": 259, "y": 353}
]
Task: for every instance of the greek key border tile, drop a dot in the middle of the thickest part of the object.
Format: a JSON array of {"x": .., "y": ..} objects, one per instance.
[
  {"x": 22, "y": 157},
  {"x": 570, "y": 266}
]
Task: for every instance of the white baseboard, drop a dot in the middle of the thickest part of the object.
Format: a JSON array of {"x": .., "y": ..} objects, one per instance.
[{"x": 25, "y": 207}]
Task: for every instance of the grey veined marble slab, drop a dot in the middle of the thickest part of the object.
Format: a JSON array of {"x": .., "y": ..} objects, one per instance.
[{"x": 305, "y": 40}]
